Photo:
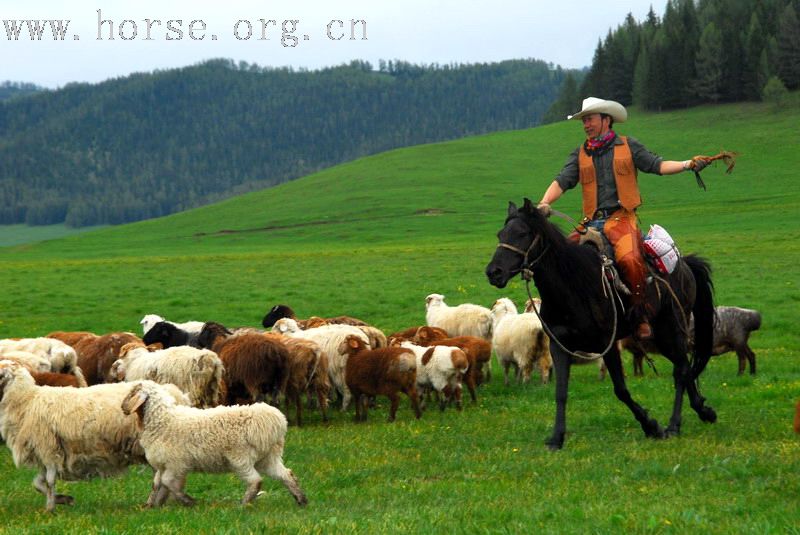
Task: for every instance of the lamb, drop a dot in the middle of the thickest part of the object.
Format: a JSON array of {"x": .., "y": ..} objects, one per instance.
[
  {"x": 246, "y": 440},
  {"x": 63, "y": 358},
  {"x": 67, "y": 433},
  {"x": 197, "y": 372},
  {"x": 96, "y": 355},
  {"x": 519, "y": 341},
  {"x": 385, "y": 372},
  {"x": 150, "y": 320},
  {"x": 478, "y": 351},
  {"x": 732, "y": 329},
  {"x": 462, "y": 320},
  {"x": 439, "y": 368},
  {"x": 308, "y": 370},
  {"x": 255, "y": 366},
  {"x": 331, "y": 338}
]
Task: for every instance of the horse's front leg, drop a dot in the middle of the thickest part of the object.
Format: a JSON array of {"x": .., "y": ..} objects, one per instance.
[
  {"x": 614, "y": 365},
  {"x": 680, "y": 374},
  {"x": 561, "y": 363}
]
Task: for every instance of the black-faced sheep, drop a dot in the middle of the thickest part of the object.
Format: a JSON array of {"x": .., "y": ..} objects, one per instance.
[
  {"x": 246, "y": 440},
  {"x": 170, "y": 335},
  {"x": 285, "y": 311},
  {"x": 192, "y": 327},
  {"x": 380, "y": 372}
]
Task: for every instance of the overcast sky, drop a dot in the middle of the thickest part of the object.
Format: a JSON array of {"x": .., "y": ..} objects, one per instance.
[{"x": 420, "y": 31}]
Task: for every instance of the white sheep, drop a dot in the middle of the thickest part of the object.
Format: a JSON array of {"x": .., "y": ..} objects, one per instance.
[
  {"x": 462, "y": 320},
  {"x": 62, "y": 357},
  {"x": 519, "y": 340},
  {"x": 67, "y": 433},
  {"x": 332, "y": 340},
  {"x": 439, "y": 368},
  {"x": 191, "y": 327},
  {"x": 247, "y": 440},
  {"x": 34, "y": 363},
  {"x": 197, "y": 372}
]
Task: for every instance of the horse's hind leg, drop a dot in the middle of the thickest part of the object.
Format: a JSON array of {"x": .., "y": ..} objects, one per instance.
[
  {"x": 698, "y": 403},
  {"x": 614, "y": 365}
]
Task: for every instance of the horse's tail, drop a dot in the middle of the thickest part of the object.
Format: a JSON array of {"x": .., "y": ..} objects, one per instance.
[{"x": 703, "y": 311}]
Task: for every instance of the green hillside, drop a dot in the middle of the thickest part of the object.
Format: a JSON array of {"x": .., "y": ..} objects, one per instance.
[{"x": 371, "y": 239}]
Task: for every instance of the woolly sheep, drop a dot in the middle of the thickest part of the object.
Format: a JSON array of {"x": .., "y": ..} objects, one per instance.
[
  {"x": 519, "y": 341},
  {"x": 67, "y": 433},
  {"x": 247, "y": 440},
  {"x": 461, "y": 320},
  {"x": 440, "y": 368},
  {"x": 63, "y": 358},
  {"x": 197, "y": 372},
  {"x": 331, "y": 338},
  {"x": 149, "y": 320},
  {"x": 478, "y": 351},
  {"x": 33, "y": 363},
  {"x": 96, "y": 355}
]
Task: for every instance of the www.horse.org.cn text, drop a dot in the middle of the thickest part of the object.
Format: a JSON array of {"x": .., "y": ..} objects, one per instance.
[{"x": 287, "y": 32}]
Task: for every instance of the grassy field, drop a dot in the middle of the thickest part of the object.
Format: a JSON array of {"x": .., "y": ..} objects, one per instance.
[{"x": 371, "y": 239}]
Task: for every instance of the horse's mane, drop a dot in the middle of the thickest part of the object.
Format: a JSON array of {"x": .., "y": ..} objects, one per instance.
[{"x": 577, "y": 264}]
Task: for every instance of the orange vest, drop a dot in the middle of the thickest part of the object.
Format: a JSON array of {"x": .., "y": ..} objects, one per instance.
[{"x": 624, "y": 177}]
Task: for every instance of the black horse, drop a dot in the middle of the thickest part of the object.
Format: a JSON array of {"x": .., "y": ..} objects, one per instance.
[{"x": 579, "y": 309}]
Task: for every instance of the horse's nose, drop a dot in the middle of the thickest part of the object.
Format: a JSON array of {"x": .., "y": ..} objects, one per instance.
[{"x": 495, "y": 275}]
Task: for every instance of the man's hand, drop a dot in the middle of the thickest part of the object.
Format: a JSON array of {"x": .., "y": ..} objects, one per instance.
[
  {"x": 699, "y": 163},
  {"x": 544, "y": 209}
]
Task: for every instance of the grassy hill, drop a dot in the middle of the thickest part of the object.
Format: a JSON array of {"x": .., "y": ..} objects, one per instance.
[{"x": 371, "y": 238}]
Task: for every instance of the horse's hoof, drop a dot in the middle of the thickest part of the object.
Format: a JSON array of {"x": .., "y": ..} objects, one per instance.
[
  {"x": 708, "y": 415},
  {"x": 672, "y": 432},
  {"x": 655, "y": 431},
  {"x": 554, "y": 444}
]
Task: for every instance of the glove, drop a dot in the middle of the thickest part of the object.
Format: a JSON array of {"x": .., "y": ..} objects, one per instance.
[
  {"x": 544, "y": 209},
  {"x": 699, "y": 163}
]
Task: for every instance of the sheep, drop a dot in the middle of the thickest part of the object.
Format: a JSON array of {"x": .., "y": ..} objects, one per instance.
[
  {"x": 285, "y": 311},
  {"x": 247, "y": 440},
  {"x": 170, "y": 335},
  {"x": 62, "y": 357},
  {"x": 197, "y": 372},
  {"x": 478, "y": 351},
  {"x": 519, "y": 340},
  {"x": 71, "y": 338},
  {"x": 67, "y": 433},
  {"x": 462, "y": 320},
  {"x": 56, "y": 379},
  {"x": 439, "y": 368},
  {"x": 732, "y": 329},
  {"x": 376, "y": 337},
  {"x": 254, "y": 365},
  {"x": 385, "y": 372},
  {"x": 150, "y": 320},
  {"x": 96, "y": 355},
  {"x": 33, "y": 363},
  {"x": 331, "y": 339},
  {"x": 308, "y": 370}
]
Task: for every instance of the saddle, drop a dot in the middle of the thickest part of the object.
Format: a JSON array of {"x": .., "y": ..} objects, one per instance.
[{"x": 594, "y": 238}]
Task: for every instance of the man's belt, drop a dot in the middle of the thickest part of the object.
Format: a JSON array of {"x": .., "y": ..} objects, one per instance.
[{"x": 605, "y": 213}]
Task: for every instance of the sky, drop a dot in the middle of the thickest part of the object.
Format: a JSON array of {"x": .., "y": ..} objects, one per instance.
[{"x": 164, "y": 34}]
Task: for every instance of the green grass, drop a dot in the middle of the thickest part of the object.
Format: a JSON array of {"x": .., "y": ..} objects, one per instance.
[
  {"x": 371, "y": 238},
  {"x": 23, "y": 234}
]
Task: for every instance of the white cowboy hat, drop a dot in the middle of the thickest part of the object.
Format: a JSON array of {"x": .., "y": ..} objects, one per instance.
[{"x": 597, "y": 105}]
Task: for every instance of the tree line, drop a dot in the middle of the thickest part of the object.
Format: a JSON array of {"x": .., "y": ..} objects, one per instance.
[
  {"x": 707, "y": 51},
  {"x": 151, "y": 144}
]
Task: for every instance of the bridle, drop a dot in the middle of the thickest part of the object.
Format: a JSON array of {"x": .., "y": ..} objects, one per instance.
[{"x": 526, "y": 267}]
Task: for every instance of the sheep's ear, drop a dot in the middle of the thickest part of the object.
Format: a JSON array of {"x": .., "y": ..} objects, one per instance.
[
  {"x": 353, "y": 342},
  {"x": 426, "y": 358},
  {"x": 135, "y": 399}
]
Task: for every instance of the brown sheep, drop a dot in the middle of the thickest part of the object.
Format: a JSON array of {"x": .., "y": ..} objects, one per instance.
[
  {"x": 97, "y": 354},
  {"x": 308, "y": 371},
  {"x": 285, "y": 311},
  {"x": 255, "y": 366},
  {"x": 380, "y": 372},
  {"x": 408, "y": 335},
  {"x": 478, "y": 351},
  {"x": 71, "y": 338},
  {"x": 55, "y": 379}
]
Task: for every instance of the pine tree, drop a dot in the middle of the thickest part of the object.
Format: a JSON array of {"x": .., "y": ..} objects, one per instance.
[
  {"x": 789, "y": 48},
  {"x": 754, "y": 43},
  {"x": 709, "y": 65}
]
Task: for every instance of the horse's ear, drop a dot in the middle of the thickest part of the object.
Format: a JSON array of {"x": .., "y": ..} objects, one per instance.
[
  {"x": 528, "y": 205},
  {"x": 512, "y": 208}
]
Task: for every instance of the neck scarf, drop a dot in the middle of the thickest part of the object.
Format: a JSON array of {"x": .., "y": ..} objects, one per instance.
[{"x": 599, "y": 145}]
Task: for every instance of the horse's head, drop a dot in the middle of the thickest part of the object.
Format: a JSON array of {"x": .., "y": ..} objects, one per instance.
[{"x": 518, "y": 239}]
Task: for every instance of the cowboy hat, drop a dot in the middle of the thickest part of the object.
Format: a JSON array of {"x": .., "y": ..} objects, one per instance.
[{"x": 597, "y": 105}]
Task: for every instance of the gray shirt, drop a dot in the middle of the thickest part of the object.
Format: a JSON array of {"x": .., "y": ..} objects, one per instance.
[{"x": 643, "y": 159}]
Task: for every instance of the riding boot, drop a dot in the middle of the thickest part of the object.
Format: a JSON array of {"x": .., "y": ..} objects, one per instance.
[{"x": 634, "y": 272}]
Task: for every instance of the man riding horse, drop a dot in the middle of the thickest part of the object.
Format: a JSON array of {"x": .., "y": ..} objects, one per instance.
[{"x": 606, "y": 166}]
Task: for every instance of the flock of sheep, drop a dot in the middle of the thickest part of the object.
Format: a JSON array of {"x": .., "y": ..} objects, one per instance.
[{"x": 190, "y": 397}]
